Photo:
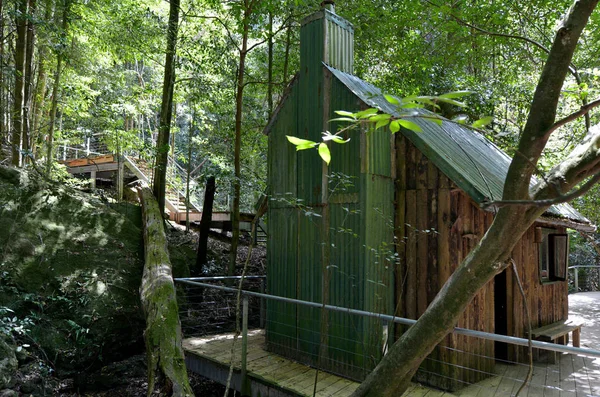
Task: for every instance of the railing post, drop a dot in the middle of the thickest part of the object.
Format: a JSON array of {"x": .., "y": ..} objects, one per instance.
[
  {"x": 262, "y": 303},
  {"x": 576, "y": 280},
  {"x": 245, "y": 384}
]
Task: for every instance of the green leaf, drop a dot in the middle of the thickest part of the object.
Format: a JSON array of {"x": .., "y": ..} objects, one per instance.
[
  {"x": 483, "y": 122},
  {"x": 324, "y": 153},
  {"x": 391, "y": 99},
  {"x": 305, "y": 146},
  {"x": 452, "y": 102},
  {"x": 366, "y": 113},
  {"x": 379, "y": 117},
  {"x": 338, "y": 139},
  {"x": 435, "y": 120},
  {"x": 345, "y": 114},
  {"x": 411, "y": 105},
  {"x": 455, "y": 94},
  {"x": 426, "y": 100},
  {"x": 382, "y": 123},
  {"x": 410, "y": 125},
  {"x": 394, "y": 126},
  {"x": 328, "y": 136},
  {"x": 460, "y": 119},
  {"x": 343, "y": 119},
  {"x": 297, "y": 141}
]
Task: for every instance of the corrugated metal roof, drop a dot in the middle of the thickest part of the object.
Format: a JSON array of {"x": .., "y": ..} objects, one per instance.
[{"x": 473, "y": 162}]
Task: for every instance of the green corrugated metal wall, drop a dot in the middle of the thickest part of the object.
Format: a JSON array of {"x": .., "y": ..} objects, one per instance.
[{"x": 342, "y": 237}]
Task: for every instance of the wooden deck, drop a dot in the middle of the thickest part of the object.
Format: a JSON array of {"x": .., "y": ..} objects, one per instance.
[{"x": 272, "y": 375}]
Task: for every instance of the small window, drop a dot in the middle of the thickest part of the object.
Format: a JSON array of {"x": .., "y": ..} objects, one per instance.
[{"x": 554, "y": 252}]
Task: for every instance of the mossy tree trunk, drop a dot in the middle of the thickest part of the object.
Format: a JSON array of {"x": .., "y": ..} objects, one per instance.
[
  {"x": 493, "y": 253},
  {"x": 166, "y": 110},
  {"x": 166, "y": 361}
]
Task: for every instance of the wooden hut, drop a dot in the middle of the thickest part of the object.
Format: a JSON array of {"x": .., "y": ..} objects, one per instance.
[{"x": 386, "y": 223}]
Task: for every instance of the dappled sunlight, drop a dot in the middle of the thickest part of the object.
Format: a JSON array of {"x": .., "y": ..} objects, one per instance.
[
  {"x": 197, "y": 342},
  {"x": 584, "y": 308}
]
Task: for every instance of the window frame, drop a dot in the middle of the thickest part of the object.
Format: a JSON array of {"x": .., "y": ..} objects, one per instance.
[{"x": 553, "y": 255}]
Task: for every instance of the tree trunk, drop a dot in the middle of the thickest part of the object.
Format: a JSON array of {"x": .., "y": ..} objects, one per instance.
[
  {"x": 286, "y": 62},
  {"x": 28, "y": 81},
  {"x": 270, "y": 67},
  {"x": 3, "y": 137},
  {"x": 239, "y": 100},
  {"x": 39, "y": 95},
  {"x": 166, "y": 111},
  {"x": 52, "y": 121},
  {"x": 55, "y": 87},
  {"x": 21, "y": 23},
  {"x": 205, "y": 221},
  {"x": 167, "y": 372},
  {"x": 492, "y": 254}
]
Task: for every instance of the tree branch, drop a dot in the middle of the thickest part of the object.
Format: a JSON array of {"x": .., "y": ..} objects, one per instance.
[
  {"x": 582, "y": 111},
  {"x": 547, "y": 202},
  {"x": 218, "y": 19}
]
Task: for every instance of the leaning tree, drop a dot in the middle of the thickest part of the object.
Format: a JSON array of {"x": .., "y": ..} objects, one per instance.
[{"x": 520, "y": 207}]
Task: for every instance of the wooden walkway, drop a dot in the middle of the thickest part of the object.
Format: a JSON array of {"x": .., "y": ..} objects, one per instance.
[{"x": 272, "y": 375}]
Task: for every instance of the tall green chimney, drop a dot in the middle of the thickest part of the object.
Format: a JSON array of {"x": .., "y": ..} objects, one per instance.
[{"x": 326, "y": 37}]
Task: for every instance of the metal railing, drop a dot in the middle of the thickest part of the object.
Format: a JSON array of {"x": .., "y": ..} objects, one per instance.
[
  {"x": 576, "y": 274},
  {"x": 253, "y": 313}
]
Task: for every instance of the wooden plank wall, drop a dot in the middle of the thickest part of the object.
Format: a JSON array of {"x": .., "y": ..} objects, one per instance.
[
  {"x": 436, "y": 227},
  {"x": 547, "y": 302}
]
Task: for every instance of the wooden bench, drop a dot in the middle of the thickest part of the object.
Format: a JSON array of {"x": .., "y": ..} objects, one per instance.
[{"x": 557, "y": 332}]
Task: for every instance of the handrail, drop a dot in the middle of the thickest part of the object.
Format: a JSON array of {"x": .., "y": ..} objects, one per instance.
[
  {"x": 584, "y": 266},
  {"x": 406, "y": 321}
]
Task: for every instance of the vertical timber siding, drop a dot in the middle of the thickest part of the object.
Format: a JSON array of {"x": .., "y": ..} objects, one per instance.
[{"x": 436, "y": 227}]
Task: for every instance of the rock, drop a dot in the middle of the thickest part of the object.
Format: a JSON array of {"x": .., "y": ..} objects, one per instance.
[
  {"x": 8, "y": 393},
  {"x": 8, "y": 363},
  {"x": 23, "y": 356}
]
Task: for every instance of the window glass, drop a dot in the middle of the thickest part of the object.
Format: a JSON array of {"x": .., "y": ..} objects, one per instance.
[
  {"x": 545, "y": 258},
  {"x": 560, "y": 253}
]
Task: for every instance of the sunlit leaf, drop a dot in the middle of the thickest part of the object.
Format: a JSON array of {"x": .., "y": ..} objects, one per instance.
[
  {"x": 411, "y": 105},
  {"x": 338, "y": 139},
  {"x": 455, "y": 94},
  {"x": 345, "y": 114},
  {"x": 343, "y": 119},
  {"x": 379, "y": 117},
  {"x": 461, "y": 119},
  {"x": 324, "y": 153},
  {"x": 305, "y": 146},
  {"x": 435, "y": 120},
  {"x": 382, "y": 123},
  {"x": 391, "y": 99},
  {"x": 410, "y": 125},
  {"x": 366, "y": 113},
  {"x": 298, "y": 141},
  {"x": 452, "y": 102},
  {"x": 394, "y": 126},
  {"x": 483, "y": 122},
  {"x": 335, "y": 138}
]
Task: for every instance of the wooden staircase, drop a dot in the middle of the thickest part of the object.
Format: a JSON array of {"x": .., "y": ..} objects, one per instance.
[
  {"x": 175, "y": 205},
  {"x": 175, "y": 193}
]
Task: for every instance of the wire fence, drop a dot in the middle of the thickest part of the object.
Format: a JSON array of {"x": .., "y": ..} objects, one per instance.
[
  {"x": 350, "y": 342},
  {"x": 585, "y": 278}
]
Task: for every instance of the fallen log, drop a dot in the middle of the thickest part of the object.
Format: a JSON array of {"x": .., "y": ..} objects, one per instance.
[{"x": 166, "y": 362}]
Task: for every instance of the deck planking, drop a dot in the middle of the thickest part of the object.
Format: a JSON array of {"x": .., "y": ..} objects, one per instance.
[{"x": 571, "y": 376}]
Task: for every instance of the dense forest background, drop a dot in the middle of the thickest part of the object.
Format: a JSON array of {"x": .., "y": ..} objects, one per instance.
[
  {"x": 72, "y": 69},
  {"x": 97, "y": 67}
]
